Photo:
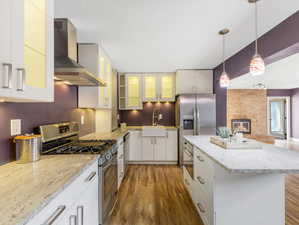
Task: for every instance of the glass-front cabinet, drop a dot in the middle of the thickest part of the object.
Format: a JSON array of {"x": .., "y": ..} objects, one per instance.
[
  {"x": 27, "y": 45},
  {"x": 130, "y": 95},
  {"x": 159, "y": 87}
]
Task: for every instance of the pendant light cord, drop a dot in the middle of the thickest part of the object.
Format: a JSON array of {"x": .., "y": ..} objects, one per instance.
[
  {"x": 223, "y": 53},
  {"x": 256, "y": 28}
]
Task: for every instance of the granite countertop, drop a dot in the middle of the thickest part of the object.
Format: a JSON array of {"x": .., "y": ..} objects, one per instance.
[
  {"x": 115, "y": 135},
  {"x": 269, "y": 159},
  {"x": 25, "y": 189}
]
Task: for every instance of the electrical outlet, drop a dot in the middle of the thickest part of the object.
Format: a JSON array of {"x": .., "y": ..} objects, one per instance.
[
  {"x": 82, "y": 120},
  {"x": 15, "y": 127}
]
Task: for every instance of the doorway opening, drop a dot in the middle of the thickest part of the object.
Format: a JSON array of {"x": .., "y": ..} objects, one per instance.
[{"x": 279, "y": 117}]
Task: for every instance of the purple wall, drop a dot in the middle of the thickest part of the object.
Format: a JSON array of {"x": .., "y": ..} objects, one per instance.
[
  {"x": 295, "y": 113},
  {"x": 280, "y": 42},
  {"x": 34, "y": 114},
  {"x": 279, "y": 92},
  {"x": 144, "y": 117}
]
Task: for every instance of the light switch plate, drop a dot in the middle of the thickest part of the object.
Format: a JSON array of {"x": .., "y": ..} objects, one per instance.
[
  {"x": 15, "y": 127},
  {"x": 82, "y": 120}
]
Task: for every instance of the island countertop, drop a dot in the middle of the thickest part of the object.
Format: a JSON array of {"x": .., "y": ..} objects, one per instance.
[
  {"x": 269, "y": 159},
  {"x": 25, "y": 189}
]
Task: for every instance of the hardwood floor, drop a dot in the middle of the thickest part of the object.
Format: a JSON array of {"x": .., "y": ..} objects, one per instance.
[{"x": 154, "y": 195}]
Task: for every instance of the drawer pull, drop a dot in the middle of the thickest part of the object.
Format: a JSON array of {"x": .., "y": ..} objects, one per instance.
[
  {"x": 201, "y": 180},
  {"x": 80, "y": 214},
  {"x": 73, "y": 220},
  {"x": 200, "y": 159},
  {"x": 90, "y": 177},
  {"x": 55, "y": 215},
  {"x": 200, "y": 207}
]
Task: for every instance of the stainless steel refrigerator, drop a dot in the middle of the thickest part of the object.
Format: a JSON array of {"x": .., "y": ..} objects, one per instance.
[{"x": 195, "y": 115}]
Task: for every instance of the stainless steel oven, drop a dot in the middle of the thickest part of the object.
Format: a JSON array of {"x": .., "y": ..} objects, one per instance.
[
  {"x": 107, "y": 187},
  {"x": 188, "y": 158}
]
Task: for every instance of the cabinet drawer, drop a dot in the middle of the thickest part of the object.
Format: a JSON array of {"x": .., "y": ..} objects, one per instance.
[
  {"x": 204, "y": 207},
  {"x": 64, "y": 200},
  {"x": 203, "y": 166},
  {"x": 188, "y": 182}
]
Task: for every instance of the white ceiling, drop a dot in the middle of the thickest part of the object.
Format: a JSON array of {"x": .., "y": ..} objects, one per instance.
[
  {"x": 283, "y": 74},
  {"x": 165, "y": 35}
]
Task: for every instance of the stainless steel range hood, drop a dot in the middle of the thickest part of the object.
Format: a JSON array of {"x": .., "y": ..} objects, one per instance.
[{"x": 66, "y": 67}]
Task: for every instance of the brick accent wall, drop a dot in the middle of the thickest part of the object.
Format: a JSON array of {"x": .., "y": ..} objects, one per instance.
[{"x": 248, "y": 104}]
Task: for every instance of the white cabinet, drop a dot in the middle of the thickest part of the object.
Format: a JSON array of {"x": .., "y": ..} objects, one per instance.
[
  {"x": 194, "y": 82},
  {"x": 93, "y": 57},
  {"x": 135, "y": 145},
  {"x": 153, "y": 149},
  {"x": 120, "y": 162},
  {"x": 147, "y": 149},
  {"x": 79, "y": 201},
  {"x": 172, "y": 145},
  {"x": 27, "y": 45},
  {"x": 158, "y": 87}
]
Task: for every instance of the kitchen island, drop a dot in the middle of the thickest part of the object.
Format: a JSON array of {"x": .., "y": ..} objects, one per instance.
[{"x": 239, "y": 187}]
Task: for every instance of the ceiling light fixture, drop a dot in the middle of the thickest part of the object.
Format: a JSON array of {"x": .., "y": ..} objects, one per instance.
[
  {"x": 224, "y": 78},
  {"x": 257, "y": 65}
]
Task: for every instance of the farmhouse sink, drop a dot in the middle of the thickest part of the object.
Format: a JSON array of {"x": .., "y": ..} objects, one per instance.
[{"x": 154, "y": 131}]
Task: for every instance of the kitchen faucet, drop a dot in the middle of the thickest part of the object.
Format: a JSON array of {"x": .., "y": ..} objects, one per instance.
[{"x": 156, "y": 117}]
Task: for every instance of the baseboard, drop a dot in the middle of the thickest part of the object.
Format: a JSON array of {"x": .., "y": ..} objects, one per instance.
[{"x": 153, "y": 162}]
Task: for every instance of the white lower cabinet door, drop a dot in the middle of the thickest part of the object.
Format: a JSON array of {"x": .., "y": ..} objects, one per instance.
[
  {"x": 135, "y": 146},
  {"x": 159, "y": 148},
  {"x": 172, "y": 146},
  {"x": 148, "y": 148},
  {"x": 87, "y": 207}
]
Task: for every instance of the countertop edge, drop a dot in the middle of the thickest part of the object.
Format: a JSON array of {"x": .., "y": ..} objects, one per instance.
[
  {"x": 47, "y": 201},
  {"x": 244, "y": 171}
]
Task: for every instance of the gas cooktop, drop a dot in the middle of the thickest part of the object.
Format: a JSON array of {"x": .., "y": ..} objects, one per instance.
[{"x": 83, "y": 147}]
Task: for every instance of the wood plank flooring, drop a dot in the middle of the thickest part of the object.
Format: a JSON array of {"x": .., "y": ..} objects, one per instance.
[{"x": 154, "y": 195}]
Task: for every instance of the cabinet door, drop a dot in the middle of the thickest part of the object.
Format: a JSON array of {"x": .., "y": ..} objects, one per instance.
[
  {"x": 135, "y": 147},
  {"x": 5, "y": 45},
  {"x": 150, "y": 88},
  {"x": 120, "y": 163},
  {"x": 160, "y": 148},
  {"x": 148, "y": 148},
  {"x": 87, "y": 207},
  {"x": 133, "y": 84},
  {"x": 167, "y": 87},
  {"x": 172, "y": 146}
]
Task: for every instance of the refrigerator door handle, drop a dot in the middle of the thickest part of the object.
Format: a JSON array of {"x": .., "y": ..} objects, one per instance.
[
  {"x": 194, "y": 121},
  {"x": 197, "y": 122}
]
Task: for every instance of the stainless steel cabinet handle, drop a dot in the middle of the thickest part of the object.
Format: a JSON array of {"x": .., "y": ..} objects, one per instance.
[
  {"x": 201, "y": 180},
  {"x": 200, "y": 207},
  {"x": 55, "y": 215},
  {"x": 7, "y": 75},
  {"x": 80, "y": 215},
  {"x": 73, "y": 220},
  {"x": 21, "y": 76},
  {"x": 200, "y": 159},
  {"x": 91, "y": 176}
]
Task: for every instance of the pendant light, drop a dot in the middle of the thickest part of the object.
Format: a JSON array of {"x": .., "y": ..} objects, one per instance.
[
  {"x": 257, "y": 65},
  {"x": 224, "y": 78}
]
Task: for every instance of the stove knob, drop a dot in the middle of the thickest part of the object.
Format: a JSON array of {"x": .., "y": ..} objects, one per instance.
[{"x": 108, "y": 156}]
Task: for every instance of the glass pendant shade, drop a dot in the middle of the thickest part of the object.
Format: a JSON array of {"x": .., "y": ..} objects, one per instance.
[
  {"x": 224, "y": 80},
  {"x": 257, "y": 65}
]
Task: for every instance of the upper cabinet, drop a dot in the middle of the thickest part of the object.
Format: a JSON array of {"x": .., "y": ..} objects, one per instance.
[
  {"x": 93, "y": 57},
  {"x": 159, "y": 87},
  {"x": 130, "y": 95},
  {"x": 27, "y": 50},
  {"x": 194, "y": 82}
]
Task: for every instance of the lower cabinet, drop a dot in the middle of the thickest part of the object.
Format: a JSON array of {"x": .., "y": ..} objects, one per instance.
[
  {"x": 76, "y": 205},
  {"x": 153, "y": 149}
]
